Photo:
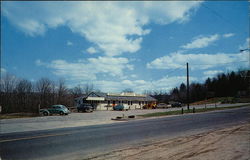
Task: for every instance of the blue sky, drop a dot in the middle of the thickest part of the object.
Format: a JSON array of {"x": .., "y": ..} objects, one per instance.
[{"x": 119, "y": 45}]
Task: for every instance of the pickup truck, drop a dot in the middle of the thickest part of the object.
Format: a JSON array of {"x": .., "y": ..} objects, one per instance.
[{"x": 85, "y": 107}]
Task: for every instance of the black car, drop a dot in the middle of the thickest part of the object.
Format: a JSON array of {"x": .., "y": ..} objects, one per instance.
[
  {"x": 85, "y": 108},
  {"x": 176, "y": 104}
]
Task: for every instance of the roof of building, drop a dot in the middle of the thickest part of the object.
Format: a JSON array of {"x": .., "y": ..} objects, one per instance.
[{"x": 119, "y": 97}]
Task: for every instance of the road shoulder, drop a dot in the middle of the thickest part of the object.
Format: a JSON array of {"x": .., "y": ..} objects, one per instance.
[{"x": 228, "y": 143}]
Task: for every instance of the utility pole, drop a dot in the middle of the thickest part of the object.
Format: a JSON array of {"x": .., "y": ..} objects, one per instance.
[{"x": 187, "y": 88}]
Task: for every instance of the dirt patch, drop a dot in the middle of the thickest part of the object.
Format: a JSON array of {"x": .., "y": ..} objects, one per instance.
[{"x": 225, "y": 144}]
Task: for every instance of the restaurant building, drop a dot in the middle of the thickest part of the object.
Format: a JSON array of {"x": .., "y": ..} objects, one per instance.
[{"x": 106, "y": 101}]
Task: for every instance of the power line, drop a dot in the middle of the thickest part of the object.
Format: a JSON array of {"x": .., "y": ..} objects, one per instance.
[
  {"x": 179, "y": 68},
  {"x": 221, "y": 17},
  {"x": 217, "y": 63}
]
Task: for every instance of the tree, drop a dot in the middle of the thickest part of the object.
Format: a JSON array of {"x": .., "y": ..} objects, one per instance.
[
  {"x": 24, "y": 86},
  {"x": 182, "y": 92},
  {"x": 76, "y": 91},
  {"x": 62, "y": 92},
  {"x": 8, "y": 83},
  {"x": 174, "y": 94},
  {"x": 46, "y": 89},
  {"x": 88, "y": 88},
  {"x": 128, "y": 90},
  {"x": 23, "y": 89}
]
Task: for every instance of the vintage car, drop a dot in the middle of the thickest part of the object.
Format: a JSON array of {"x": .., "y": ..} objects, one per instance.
[{"x": 55, "y": 109}]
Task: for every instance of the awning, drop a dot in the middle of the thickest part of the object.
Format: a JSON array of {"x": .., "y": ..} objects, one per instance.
[{"x": 95, "y": 99}]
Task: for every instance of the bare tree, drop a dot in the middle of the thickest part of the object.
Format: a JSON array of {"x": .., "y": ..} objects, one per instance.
[
  {"x": 61, "y": 92},
  {"x": 24, "y": 89},
  {"x": 88, "y": 88},
  {"x": 147, "y": 92},
  {"x": 24, "y": 86},
  {"x": 46, "y": 89},
  {"x": 76, "y": 91},
  {"x": 8, "y": 83},
  {"x": 128, "y": 90}
]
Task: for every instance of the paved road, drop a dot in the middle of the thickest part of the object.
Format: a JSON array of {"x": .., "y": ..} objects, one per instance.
[{"x": 79, "y": 142}]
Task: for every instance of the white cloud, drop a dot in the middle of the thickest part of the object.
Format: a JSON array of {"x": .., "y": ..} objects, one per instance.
[
  {"x": 204, "y": 41},
  {"x": 134, "y": 76},
  {"x": 212, "y": 73},
  {"x": 3, "y": 70},
  {"x": 91, "y": 50},
  {"x": 165, "y": 84},
  {"x": 115, "y": 27},
  {"x": 32, "y": 80},
  {"x": 197, "y": 61},
  {"x": 69, "y": 43},
  {"x": 88, "y": 69},
  {"x": 246, "y": 45},
  {"x": 38, "y": 62},
  {"x": 227, "y": 35},
  {"x": 201, "y": 42}
]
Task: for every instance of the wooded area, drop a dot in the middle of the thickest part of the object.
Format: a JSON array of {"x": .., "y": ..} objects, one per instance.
[
  {"x": 232, "y": 84},
  {"x": 21, "y": 95}
]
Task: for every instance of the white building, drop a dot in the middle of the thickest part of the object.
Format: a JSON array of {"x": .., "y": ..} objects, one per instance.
[{"x": 106, "y": 101}]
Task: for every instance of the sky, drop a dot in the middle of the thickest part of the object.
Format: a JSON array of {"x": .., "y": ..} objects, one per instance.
[{"x": 118, "y": 45}]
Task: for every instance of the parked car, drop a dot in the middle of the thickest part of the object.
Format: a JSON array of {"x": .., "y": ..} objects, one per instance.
[
  {"x": 176, "y": 104},
  {"x": 120, "y": 107},
  {"x": 162, "y": 105},
  {"x": 55, "y": 109},
  {"x": 85, "y": 107}
]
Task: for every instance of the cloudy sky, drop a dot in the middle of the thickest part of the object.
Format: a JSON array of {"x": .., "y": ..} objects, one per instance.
[{"x": 119, "y": 45}]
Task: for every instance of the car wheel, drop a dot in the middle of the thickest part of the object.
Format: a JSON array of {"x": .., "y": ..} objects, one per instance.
[
  {"x": 45, "y": 113},
  {"x": 61, "y": 113}
]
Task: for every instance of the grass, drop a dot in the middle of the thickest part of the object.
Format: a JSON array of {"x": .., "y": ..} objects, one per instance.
[
  {"x": 17, "y": 115},
  {"x": 222, "y": 100},
  {"x": 157, "y": 114}
]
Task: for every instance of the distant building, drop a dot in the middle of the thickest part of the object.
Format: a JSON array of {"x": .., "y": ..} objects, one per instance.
[{"x": 106, "y": 101}]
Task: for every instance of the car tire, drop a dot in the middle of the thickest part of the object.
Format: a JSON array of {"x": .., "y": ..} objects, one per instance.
[
  {"x": 61, "y": 113},
  {"x": 45, "y": 113}
]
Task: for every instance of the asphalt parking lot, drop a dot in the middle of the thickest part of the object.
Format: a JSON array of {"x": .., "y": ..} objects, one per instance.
[{"x": 75, "y": 119}]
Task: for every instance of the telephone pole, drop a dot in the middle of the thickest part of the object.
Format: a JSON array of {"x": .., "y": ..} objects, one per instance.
[{"x": 187, "y": 88}]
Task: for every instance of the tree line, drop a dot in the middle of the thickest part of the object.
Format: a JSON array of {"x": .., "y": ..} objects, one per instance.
[
  {"x": 231, "y": 84},
  {"x": 22, "y": 95}
]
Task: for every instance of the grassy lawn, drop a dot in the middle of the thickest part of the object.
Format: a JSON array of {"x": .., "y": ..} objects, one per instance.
[
  {"x": 157, "y": 114},
  {"x": 222, "y": 100}
]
